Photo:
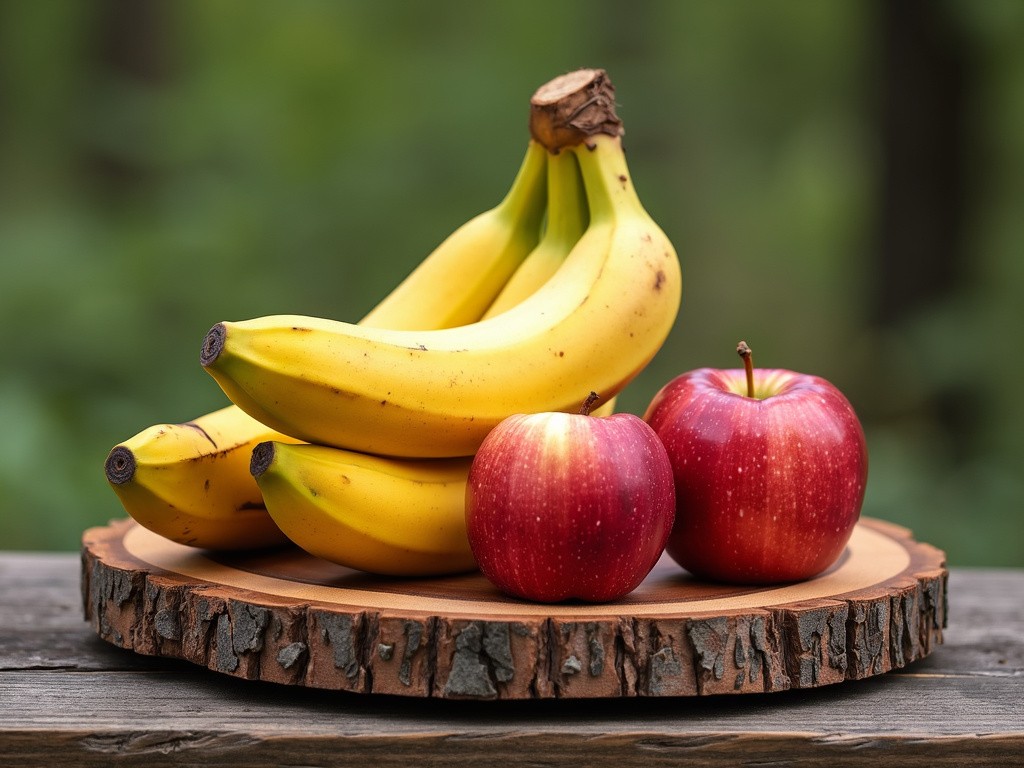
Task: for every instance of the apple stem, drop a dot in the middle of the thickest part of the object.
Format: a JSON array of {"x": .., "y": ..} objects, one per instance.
[
  {"x": 592, "y": 398},
  {"x": 745, "y": 352}
]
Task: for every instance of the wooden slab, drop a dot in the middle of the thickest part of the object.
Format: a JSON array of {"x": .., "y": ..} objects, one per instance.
[{"x": 287, "y": 617}]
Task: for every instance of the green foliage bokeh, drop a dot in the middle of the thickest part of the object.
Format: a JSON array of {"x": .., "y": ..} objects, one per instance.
[{"x": 198, "y": 161}]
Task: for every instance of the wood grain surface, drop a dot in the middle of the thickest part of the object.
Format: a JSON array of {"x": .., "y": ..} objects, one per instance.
[
  {"x": 68, "y": 698},
  {"x": 287, "y": 617}
]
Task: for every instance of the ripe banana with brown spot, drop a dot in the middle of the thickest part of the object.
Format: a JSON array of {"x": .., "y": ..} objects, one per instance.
[
  {"x": 191, "y": 482},
  {"x": 396, "y": 517},
  {"x": 594, "y": 325}
]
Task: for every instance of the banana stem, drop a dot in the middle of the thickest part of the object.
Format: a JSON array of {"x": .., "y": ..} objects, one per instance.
[{"x": 572, "y": 107}]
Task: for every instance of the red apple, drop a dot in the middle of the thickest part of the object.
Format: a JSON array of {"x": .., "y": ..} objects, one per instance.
[
  {"x": 770, "y": 469},
  {"x": 566, "y": 506}
]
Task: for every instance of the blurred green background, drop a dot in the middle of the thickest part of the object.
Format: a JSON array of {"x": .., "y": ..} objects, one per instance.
[{"x": 843, "y": 181}]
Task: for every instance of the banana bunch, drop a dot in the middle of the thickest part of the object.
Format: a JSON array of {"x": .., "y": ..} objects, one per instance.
[
  {"x": 592, "y": 326},
  {"x": 360, "y": 435}
]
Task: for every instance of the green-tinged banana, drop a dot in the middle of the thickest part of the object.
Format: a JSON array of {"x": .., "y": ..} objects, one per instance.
[
  {"x": 566, "y": 221},
  {"x": 458, "y": 282},
  {"x": 191, "y": 482},
  {"x": 397, "y": 517},
  {"x": 593, "y": 326}
]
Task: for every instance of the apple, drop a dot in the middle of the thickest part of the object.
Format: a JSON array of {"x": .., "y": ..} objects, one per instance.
[
  {"x": 563, "y": 506},
  {"x": 770, "y": 469}
]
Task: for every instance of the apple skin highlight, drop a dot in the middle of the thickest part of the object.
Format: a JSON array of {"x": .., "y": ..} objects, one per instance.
[
  {"x": 569, "y": 506},
  {"x": 768, "y": 488}
]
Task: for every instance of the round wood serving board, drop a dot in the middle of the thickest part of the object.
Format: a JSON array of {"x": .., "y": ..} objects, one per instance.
[{"x": 288, "y": 617}]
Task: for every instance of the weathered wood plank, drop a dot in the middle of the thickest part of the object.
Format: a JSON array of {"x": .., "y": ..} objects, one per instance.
[
  {"x": 67, "y": 698},
  {"x": 511, "y": 748},
  {"x": 200, "y": 702},
  {"x": 188, "y": 719}
]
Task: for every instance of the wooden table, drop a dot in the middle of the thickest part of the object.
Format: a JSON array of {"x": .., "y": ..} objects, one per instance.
[{"x": 68, "y": 698}]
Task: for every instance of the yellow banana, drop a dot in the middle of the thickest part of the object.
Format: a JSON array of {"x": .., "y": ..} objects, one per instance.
[
  {"x": 455, "y": 284},
  {"x": 191, "y": 482},
  {"x": 397, "y": 517},
  {"x": 593, "y": 326},
  {"x": 164, "y": 474},
  {"x": 566, "y": 222}
]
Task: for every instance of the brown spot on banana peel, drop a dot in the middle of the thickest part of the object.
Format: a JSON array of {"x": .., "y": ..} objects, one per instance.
[{"x": 659, "y": 279}]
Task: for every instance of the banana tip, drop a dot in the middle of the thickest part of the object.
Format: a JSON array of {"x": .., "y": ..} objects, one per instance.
[
  {"x": 120, "y": 465},
  {"x": 213, "y": 344},
  {"x": 262, "y": 457}
]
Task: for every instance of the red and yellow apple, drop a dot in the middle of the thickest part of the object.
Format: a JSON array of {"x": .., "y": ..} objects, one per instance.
[
  {"x": 770, "y": 469},
  {"x": 564, "y": 506}
]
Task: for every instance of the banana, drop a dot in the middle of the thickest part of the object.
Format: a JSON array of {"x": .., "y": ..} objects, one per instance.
[
  {"x": 191, "y": 482},
  {"x": 566, "y": 222},
  {"x": 456, "y": 284},
  {"x": 594, "y": 325},
  {"x": 396, "y": 517}
]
